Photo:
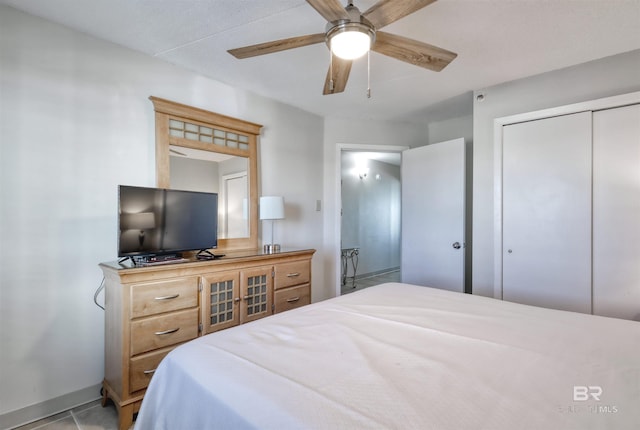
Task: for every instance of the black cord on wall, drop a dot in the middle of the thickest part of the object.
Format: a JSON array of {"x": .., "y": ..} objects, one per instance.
[{"x": 95, "y": 296}]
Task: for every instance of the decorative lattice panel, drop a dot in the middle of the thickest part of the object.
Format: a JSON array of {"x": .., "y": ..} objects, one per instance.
[
  {"x": 221, "y": 301},
  {"x": 204, "y": 134},
  {"x": 256, "y": 299}
]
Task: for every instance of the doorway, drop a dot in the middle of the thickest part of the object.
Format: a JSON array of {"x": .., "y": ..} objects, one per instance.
[{"x": 370, "y": 217}]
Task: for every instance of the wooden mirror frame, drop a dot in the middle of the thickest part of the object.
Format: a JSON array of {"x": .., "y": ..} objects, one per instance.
[{"x": 166, "y": 110}]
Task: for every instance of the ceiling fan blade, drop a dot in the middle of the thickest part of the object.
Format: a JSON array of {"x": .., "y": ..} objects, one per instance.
[
  {"x": 331, "y": 10},
  {"x": 387, "y": 11},
  {"x": 277, "y": 45},
  {"x": 339, "y": 73},
  {"x": 412, "y": 51}
]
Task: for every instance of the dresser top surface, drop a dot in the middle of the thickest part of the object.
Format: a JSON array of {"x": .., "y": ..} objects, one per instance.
[{"x": 229, "y": 257}]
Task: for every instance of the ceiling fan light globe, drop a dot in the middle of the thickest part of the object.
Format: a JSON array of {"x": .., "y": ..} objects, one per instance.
[{"x": 350, "y": 45}]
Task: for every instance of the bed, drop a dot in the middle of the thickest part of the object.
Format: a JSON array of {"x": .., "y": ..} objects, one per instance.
[{"x": 401, "y": 356}]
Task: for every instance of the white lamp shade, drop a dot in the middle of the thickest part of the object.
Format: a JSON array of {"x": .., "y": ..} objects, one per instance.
[{"x": 272, "y": 207}]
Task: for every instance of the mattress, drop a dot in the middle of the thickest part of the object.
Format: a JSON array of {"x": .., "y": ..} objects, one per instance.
[{"x": 399, "y": 356}]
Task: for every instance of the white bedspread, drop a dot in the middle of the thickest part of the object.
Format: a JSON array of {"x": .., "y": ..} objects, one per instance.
[{"x": 399, "y": 356}]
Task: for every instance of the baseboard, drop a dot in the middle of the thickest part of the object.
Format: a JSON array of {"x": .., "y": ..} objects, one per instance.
[
  {"x": 377, "y": 273},
  {"x": 47, "y": 408}
]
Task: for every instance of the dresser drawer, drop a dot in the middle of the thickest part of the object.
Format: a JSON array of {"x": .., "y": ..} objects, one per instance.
[
  {"x": 141, "y": 369},
  {"x": 163, "y": 296},
  {"x": 159, "y": 331},
  {"x": 295, "y": 273},
  {"x": 291, "y": 298}
]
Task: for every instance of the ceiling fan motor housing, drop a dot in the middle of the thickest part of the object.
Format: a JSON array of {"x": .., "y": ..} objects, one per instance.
[{"x": 356, "y": 22}]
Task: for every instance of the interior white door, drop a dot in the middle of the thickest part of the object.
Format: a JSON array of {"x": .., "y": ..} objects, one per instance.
[
  {"x": 234, "y": 206},
  {"x": 546, "y": 212},
  {"x": 616, "y": 212},
  {"x": 433, "y": 208}
]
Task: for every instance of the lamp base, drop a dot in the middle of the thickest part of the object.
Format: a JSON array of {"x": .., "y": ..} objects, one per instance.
[{"x": 271, "y": 248}]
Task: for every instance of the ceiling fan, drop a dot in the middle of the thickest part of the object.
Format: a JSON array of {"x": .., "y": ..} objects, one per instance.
[{"x": 351, "y": 34}]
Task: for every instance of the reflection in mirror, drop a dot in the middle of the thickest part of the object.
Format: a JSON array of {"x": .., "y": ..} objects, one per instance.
[{"x": 227, "y": 175}]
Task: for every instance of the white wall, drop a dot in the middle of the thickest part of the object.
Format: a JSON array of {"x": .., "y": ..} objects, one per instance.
[
  {"x": 75, "y": 122},
  {"x": 452, "y": 128},
  {"x": 194, "y": 175},
  {"x": 610, "y": 76},
  {"x": 291, "y": 166}
]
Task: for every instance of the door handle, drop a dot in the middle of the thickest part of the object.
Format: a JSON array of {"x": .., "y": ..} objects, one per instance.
[{"x": 456, "y": 245}]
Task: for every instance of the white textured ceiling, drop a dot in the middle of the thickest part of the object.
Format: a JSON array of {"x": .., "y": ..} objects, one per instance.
[{"x": 496, "y": 41}]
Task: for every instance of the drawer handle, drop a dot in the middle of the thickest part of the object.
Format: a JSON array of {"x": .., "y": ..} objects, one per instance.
[
  {"x": 173, "y": 330},
  {"x": 293, "y": 275},
  {"x": 174, "y": 296},
  {"x": 293, "y": 299},
  {"x": 149, "y": 372}
]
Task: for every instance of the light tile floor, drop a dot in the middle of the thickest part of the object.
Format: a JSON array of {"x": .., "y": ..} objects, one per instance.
[
  {"x": 360, "y": 283},
  {"x": 93, "y": 416}
]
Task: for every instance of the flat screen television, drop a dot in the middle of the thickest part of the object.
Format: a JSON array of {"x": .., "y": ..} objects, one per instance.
[{"x": 157, "y": 221}]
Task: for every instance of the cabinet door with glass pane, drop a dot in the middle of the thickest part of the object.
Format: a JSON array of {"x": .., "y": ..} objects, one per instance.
[
  {"x": 220, "y": 299},
  {"x": 256, "y": 293}
]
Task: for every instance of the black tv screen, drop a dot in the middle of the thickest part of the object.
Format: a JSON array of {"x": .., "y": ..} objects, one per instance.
[{"x": 157, "y": 221}]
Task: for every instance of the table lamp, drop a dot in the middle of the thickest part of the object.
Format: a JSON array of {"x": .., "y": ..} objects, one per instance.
[{"x": 271, "y": 208}]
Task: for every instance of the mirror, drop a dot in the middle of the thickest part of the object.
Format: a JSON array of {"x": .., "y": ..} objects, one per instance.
[
  {"x": 212, "y": 172},
  {"x": 199, "y": 150}
]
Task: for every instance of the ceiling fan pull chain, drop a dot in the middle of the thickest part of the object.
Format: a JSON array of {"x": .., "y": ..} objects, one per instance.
[{"x": 368, "y": 74}]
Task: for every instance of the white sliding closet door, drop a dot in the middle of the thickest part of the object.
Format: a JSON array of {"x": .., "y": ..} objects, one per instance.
[
  {"x": 546, "y": 247},
  {"x": 616, "y": 212}
]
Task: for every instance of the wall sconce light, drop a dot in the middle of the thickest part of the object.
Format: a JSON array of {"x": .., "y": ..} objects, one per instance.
[{"x": 361, "y": 168}]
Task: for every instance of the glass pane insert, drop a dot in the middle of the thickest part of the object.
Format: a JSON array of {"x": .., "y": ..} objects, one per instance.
[
  {"x": 204, "y": 134},
  {"x": 221, "y": 309},
  {"x": 257, "y": 294}
]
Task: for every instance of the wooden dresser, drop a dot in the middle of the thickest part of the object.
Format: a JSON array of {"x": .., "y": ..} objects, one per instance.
[{"x": 151, "y": 310}]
